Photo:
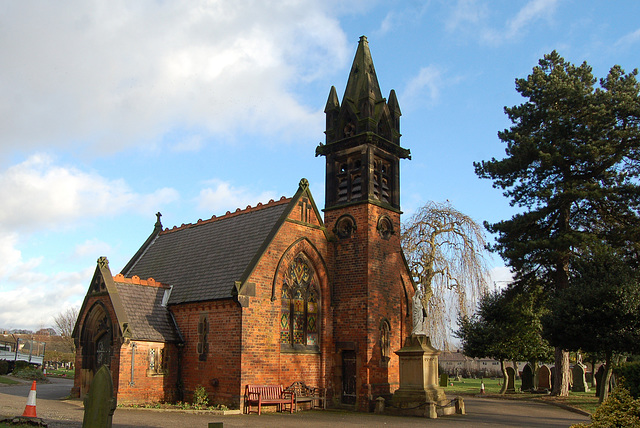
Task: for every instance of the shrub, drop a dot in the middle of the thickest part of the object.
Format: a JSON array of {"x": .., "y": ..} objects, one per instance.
[
  {"x": 4, "y": 367},
  {"x": 630, "y": 372},
  {"x": 30, "y": 373},
  {"x": 200, "y": 398},
  {"x": 21, "y": 365},
  {"x": 619, "y": 410}
]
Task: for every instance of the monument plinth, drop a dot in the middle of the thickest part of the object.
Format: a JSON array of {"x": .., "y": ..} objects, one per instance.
[{"x": 419, "y": 391}]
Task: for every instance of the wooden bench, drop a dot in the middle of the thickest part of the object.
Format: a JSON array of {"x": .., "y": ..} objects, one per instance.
[
  {"x": 307, "y": 394},
  {"x": 263, "y": 395}
]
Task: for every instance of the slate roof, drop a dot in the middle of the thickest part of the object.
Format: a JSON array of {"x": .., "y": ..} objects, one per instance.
[
  {"x": 202, "y": 261},
  {"x": 148, "y": 319}
]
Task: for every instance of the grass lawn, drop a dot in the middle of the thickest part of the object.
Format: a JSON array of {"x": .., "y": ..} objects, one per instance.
[
  {"x": 61, "y": 373},
  {"x": 586, "y": 401},
  {"x": 7, "y": 381}
]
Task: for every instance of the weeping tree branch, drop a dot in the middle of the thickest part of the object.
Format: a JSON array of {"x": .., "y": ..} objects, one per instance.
[{"x": 446, "y": 251}]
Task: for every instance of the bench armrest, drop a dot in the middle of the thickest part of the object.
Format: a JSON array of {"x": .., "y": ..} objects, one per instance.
[{"x": 254, "y": 395}]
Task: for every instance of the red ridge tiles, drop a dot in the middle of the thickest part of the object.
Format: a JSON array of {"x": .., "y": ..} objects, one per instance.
[
  {"x": 229, "y": 214},
  {"x": 135, "y": 279}
]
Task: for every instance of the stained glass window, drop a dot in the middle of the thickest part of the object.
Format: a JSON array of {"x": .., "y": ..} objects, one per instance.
[
  {"x": 152, "y": 359},
  {"x": 299, "y": 322}
]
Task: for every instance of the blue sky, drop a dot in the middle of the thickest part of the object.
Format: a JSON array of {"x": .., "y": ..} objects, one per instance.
[{"x": 113, "y": 111}]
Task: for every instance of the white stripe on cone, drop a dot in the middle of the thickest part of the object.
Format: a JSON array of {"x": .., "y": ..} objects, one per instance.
[{"x": 30, "y": 408}]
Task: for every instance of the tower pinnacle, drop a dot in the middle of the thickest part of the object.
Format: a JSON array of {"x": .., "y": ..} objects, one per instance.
[{"x": 362, "y": 139}]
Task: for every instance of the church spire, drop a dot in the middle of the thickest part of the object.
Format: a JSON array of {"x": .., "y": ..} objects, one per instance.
[
  {"x": 362, "y": 139},
  {"x": 362, "y": 88}
]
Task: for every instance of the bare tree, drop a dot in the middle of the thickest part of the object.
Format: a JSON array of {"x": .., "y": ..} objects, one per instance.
[
  {"x": 65, "y": 322},
  {"x": 445, "y": 250}
]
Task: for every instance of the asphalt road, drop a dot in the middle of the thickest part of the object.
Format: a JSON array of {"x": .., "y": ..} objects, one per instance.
[{"x": 481, "y": 412}]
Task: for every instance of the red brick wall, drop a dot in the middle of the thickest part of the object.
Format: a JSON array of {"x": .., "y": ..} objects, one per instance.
[
  {"x": 263, "y": 362},
  {"x": 147, "y": 386},
  {"x": 368, "y": 286},
  {"x": 219, "y": 374}
]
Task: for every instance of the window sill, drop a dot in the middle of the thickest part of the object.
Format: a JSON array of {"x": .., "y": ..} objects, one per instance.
[{"x": 299, "y": 349}]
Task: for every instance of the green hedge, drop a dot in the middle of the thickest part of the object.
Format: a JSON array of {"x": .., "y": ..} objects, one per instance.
[
  {"x": 630, "y": 372},
  {"x": 619, "y": 410},
  {"x": 4, "y": 367}
]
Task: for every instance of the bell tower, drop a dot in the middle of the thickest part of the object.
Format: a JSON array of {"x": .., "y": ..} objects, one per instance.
[
  {"x": 371, "y": 282},
  {"x": 362, "y": 140}
]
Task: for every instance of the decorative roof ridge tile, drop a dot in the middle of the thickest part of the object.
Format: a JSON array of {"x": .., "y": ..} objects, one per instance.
[
  {"x": 229, "y": 214},
  {"x": 135, "y": 279}
]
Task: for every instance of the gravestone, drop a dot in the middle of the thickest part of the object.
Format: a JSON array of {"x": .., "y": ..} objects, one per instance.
[
  {"x": 527, "y": 378},
  {"x": 544, "y": 377},
  {"x": 579, "y": 379},
  {"x": 99, "y": 403},
  {"x": 444, "y": 380},
  {"x": 599, "y": 378},
  {"x": 511, "y": 379}
]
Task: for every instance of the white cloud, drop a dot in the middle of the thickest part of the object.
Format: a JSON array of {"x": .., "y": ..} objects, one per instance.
[
  {"x": 466, "y": 12},
  {"x": 44, "y": 295},
  {"x": 189, "y": 144},
  {"x": 515, "y": 27},
  {"x": 9, "y": 254},
  {"x": 629, "y": 39},
  {"x": 91, "y": 247},
  {"x": 424, "y": 87},
  {"x": 24, "y": 291},
  {"x": 127, "y": 73},
  {"x": 403, "y": 14},
  {"x": 223, "y": 196},
  {"x": 39, "y": 194}
]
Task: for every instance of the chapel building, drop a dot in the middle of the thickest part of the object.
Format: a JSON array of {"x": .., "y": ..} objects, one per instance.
[{"x": 271, "y": 294}]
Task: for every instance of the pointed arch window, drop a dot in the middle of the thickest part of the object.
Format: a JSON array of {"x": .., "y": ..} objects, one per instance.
[{"x": 300, "y": 308}]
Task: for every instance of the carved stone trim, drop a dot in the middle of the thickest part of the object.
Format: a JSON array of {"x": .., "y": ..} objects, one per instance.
[
  {"x": 345, "y": 226},
  {"x": 385, "y": 227}
]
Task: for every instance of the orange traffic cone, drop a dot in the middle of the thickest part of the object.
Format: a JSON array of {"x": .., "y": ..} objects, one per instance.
[{"x": 30, "y": 408}]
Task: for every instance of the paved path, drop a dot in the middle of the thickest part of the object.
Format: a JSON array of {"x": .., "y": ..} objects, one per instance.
[{"x": 481, "y": 412}]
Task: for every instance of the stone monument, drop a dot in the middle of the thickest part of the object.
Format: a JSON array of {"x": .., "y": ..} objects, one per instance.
[
  {"x": 419, "y": 392},
  {"x": 419, "y": 312}
]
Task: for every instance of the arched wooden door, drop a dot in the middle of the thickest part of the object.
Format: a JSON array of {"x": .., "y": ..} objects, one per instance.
[{"x": 96, "y": 342}]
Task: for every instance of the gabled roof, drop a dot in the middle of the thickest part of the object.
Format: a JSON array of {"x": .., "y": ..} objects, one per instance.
[
  {"x": 137, "y": 305},
  {"x": 211, "y": 259},
  {"x": 142, "y": 302}
]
